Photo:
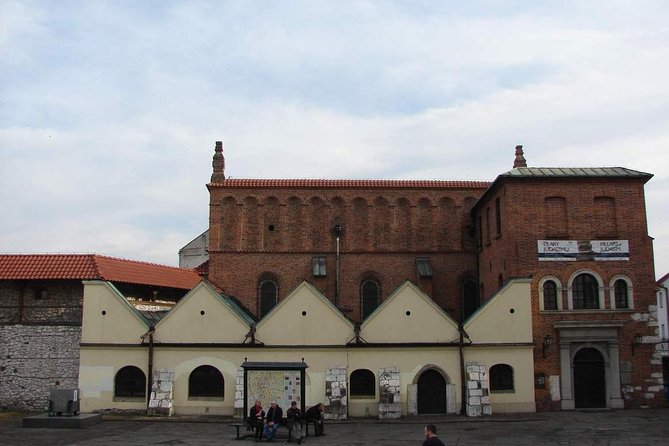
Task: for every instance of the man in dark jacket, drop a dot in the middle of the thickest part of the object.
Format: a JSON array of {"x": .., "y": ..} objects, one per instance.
[
  {"x": 294, "y": 422},
  {"x": 274, "y": 415},
  {"x": 431, "y": 436},
  {"x": 315, "y": 414}
]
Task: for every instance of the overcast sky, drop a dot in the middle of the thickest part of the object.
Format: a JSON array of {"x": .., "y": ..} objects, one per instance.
[{"x": 109, "y": 110}]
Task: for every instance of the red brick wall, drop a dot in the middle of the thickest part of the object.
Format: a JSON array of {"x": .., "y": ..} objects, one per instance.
[
  {"x": 261, "y": 230},
  {"x": 588, "y": 217}
]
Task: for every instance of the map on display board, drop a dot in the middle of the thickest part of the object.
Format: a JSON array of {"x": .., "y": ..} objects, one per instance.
[{"x": 282, "y": 386}]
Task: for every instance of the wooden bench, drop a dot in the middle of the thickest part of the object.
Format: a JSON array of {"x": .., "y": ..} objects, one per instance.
[{"x": 250, "y": 431}]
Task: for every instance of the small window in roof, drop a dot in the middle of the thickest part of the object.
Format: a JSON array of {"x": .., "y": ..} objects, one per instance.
[
  {"x": 423, "y": 266},
  {"x": 318, "y": 266}
]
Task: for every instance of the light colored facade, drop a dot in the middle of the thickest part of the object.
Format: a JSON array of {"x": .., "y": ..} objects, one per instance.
[
  {"x": 195, "y": 252},
  {"x": 408, "y": 334}
]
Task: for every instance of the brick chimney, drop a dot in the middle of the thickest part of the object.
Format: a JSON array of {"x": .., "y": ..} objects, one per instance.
[
  {"x": 218, "y": 164},
  {"x": 520, "y": 159}
]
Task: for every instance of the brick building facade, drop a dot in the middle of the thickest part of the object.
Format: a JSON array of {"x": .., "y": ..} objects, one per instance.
[{"x": 356, "y": 241}]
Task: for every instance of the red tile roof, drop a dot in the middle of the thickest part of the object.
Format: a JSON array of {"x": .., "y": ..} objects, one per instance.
[
  {"x": 94, "y": 267},
  {"x": 354, "y": 184}
]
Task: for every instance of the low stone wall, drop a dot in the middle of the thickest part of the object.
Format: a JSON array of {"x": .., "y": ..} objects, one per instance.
[{"x": 34, "y": 360}]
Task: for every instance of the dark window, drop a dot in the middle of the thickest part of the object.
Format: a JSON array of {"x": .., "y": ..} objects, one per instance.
[
  {"x": 500, "y": 281},
  {"x": 470, "y": 298},
  {"x": 130, "y": 382},
  {"x": 363, "y": 384},
  {"x": 550, "y": 295},
  {"x": 487, "y": 226},
  {"x": 423, "y": 266},
  {"x": 479, "y": 233},
  {"x": 269, "y": 294},
  {"x": 620, "y": 292},
  {"x": 585, "y": 292},
  {"x": 318, "y": 266},
  {"x": 501, "y": 378},
  {"x": 206, "y": 381},
  {"x": 498, "y": 217},
  {"x": 370, "y": 297}
]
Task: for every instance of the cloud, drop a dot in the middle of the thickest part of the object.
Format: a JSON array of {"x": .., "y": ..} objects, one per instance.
[{"x": 110, "y": 110}]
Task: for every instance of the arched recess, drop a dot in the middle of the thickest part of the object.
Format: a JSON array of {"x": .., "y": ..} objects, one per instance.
[
  {"x": 272, "y": 228},
  {"x": 250, "y": 224},
  {"x": 359, "y": 232},
  {"x": 550, "y": 293},
  {"x": 382, "y": 224},
  {"x": 469, "y": 298},
  {"x": 621, "y": 293},
  {"x": 467, "y": 224},
  {"x": 362, "y": 384},
  {"x": 445, "y": 227},
  {"x": 585, "y": 291},
  {"x": 589, "y": 369},
  {"x": 230, "y": 228},
  {"x": 424, "y": 226},
  {"x": 402, "y": 225},
  {"x": 295, "y": 219},
  {"x": 431, "y": 382},
  {"x": 130, "y": 382},
  {"x": 206, "y": 381},
  {"x": 268, "y": 293},
  {"x": 319, "y": 233}
]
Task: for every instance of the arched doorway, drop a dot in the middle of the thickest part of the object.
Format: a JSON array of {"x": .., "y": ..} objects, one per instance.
[
  {"x": 589, "y": 379},
  {"x": 431, "y": 393}
]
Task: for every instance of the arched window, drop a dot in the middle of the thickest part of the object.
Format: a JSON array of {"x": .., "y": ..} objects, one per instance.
[
  {"x": 585, "y": 292},
  {"x": 470, "y": 298},
  {"x": 621, "y": 294},
  {"x": 371, "y": 294},
  {"x": 269, "y": 296},
  {"x": 206, "y": 381},
  {"x": 501, "y": 378},
  {"x": 363, "y": 384},
  {"x": 130, "y": 382},
  {"x": 550, "y": 296}
]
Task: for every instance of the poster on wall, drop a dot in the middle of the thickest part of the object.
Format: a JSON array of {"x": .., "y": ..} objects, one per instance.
[
  {"x": 282, "y": 386},
  {"x": 574, "y": 250}
]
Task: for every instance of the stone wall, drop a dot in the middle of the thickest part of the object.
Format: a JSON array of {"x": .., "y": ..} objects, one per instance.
[
  {"x": 389, "y": 393},
  {"x": 478, "y": 399},
  {"x": 161, "y": 400},
  {"x": 335, "y": 394},
  {"x": 34, "y": 360}
]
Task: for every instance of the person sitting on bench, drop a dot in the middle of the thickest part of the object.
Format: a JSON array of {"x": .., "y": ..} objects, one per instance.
[
  {"x": 256, "y": 419},
  {"x": 315, "y": 415},
  {"x": 294, "y": 422},
  {"x": 274, "y": 415}
]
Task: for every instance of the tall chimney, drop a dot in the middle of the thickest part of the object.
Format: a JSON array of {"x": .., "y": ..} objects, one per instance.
[
  {"x": 520, "y": 159},
  {"x": 218, "y": 164}
]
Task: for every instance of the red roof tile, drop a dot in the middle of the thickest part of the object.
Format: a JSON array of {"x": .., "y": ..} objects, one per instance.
[
  {"x": 94, "y": 267},
  {"x": 353, "y": 184}
]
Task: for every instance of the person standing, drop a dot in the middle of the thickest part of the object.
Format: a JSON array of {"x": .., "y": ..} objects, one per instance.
[
  {"x": 256, "y": 419},
  {"x": 431, "y": 436},
  {"x": 294, "y": 422},
  {"x": 274, "y": 415},
  {"x": 315, "y": 414}
]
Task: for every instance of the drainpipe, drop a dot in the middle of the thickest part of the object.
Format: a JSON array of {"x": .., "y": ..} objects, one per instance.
[
  {"x": 463, "y": 385},
  {"x": 149, "y": 380},
  {"x": 338, "y": 231}
]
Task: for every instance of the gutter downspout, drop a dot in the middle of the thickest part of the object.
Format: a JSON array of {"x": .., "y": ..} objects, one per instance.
[
  {"x": 149, "y": 380},
  {"x": 463, "y": 385}
]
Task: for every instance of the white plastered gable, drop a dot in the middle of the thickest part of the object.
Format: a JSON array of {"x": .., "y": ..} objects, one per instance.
[
  {"x": 409, "y": 315},
  {"x": 506, "y": 317},
  {"x": 202, "y": 316},
  {"x": 305, "y": 317},
  {"x": 108, "y": 317}
]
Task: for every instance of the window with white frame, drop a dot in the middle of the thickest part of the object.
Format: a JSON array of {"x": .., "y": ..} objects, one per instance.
[
  {"x": 550, "y": 294},
  {"x": 620, "y": 289}
]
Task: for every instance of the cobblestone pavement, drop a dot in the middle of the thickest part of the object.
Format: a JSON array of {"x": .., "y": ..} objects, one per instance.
[{"x": 630, "y": 427}]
